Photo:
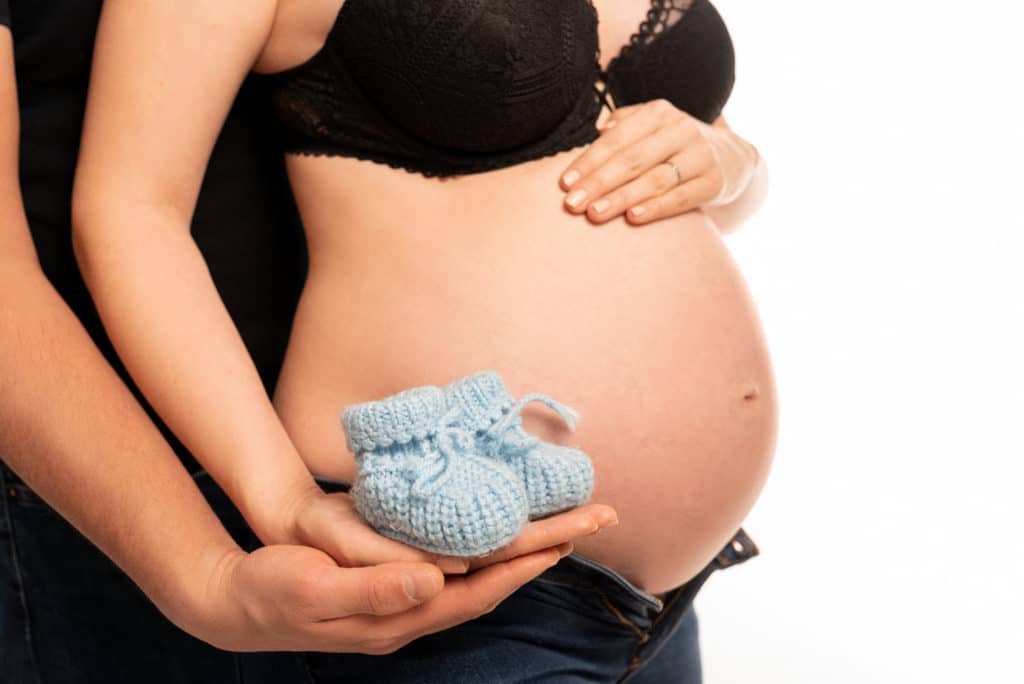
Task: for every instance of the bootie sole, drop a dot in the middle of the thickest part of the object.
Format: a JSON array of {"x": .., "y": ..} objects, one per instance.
[{"x": 462, "y": 553}]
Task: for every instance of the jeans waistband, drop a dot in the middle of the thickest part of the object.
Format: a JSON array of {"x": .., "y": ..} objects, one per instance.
[
  {"x": 584, "y": 574},
  {"x": 587, "y": 575}
]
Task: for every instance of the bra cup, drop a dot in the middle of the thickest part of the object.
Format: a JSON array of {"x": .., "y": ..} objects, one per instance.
[
  {"x": 478, "y": 76},
  {"x": 699, "y": 84}
]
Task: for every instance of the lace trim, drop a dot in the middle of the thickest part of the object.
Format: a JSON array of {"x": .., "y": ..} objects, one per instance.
[
  {"x": 328, "y": 149},
  {"x": 662, "y": 15},
  {"x": 315, "y": 137}
]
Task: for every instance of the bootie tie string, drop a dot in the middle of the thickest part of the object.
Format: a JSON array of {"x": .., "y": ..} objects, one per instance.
[
  {"x": 450, "y": 442},
  {"x": 510, "y": 420}
]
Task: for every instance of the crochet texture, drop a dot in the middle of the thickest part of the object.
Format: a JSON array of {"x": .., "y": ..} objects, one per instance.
[
  {"x": 421, "y": 481},
  {"x": 556, "y": 478}
]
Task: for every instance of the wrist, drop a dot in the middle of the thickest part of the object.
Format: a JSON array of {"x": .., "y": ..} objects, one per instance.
[
  {"x": 273, "y": 506},
  {"x": 202, "y": 601},
  {"x": 738, "y": 160},
  {"x": 268, "y": 482}
]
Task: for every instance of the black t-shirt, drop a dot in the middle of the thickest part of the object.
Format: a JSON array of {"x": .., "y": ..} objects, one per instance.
[{"x": 245, "y": 223}]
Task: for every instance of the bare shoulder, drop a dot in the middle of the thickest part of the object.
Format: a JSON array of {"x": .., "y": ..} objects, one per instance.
[
  {"x": 173, "y": 70},
  {"x": 298, "y": 32},
  {"x": 232, "y": 28}
]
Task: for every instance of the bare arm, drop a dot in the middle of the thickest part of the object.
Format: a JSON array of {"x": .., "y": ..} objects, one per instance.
[
  {"x": 74, "y": 432},
  {"x": 67, "y": 411},
  {"x": 164, "y": 78}
]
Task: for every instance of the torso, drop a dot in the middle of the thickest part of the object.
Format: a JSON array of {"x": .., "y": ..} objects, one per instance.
[{"x": 649, "y": 333}]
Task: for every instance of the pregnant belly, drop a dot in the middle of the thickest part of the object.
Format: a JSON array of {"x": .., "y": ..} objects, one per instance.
[{"x": 650, "y": 334}]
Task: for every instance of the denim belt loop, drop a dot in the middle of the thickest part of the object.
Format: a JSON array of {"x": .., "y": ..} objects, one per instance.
[{"x": 739, "y": 550}]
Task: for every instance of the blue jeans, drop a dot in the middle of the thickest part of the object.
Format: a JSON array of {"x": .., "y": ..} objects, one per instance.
[
  {"x": 70, "y": 616},
  {"x": 578, "y": 622}
]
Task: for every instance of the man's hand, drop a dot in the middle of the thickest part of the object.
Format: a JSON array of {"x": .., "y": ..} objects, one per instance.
[{"x": 296, "y": 598}]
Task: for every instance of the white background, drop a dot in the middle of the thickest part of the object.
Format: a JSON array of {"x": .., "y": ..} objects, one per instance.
[{"x": 887, "y": 264}]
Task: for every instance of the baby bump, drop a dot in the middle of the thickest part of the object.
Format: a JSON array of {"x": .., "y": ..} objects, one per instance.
[{"x": 650, "y": 334}]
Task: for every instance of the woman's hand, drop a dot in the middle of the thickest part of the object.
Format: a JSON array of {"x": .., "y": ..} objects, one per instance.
[
  {"x": 653, "y": 161},
  {"x": 554, "y": 531},
  {"x": 330, "y": 522}
]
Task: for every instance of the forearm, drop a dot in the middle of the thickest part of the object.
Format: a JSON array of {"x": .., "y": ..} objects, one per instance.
[
  {"x": 72, "y": 430},
  {"x": 161, "y": 310}
]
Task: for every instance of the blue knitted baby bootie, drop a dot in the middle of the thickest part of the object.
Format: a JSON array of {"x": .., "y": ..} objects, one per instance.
[
  {"x": 421, "y": 481},
  {"x": 556, "y": 478}
]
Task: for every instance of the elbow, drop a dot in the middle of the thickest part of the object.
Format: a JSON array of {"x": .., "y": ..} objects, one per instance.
[
  {"x": 114, "y": 230},
  {"x": 100, "y": 217},
  {"x": 86, "y": 228}
]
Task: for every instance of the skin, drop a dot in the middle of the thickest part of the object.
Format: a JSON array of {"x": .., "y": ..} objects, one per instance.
[
  {"x": 666, "y": 361},
  {"x": 144, "y": 511},
  {"x": 627, "y": 172}
]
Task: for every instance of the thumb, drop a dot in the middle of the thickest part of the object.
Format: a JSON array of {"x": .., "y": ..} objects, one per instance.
[{"x": 377, "y": 590}]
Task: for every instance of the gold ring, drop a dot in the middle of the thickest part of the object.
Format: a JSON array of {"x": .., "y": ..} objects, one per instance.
[{"x": 679, "y": 176}]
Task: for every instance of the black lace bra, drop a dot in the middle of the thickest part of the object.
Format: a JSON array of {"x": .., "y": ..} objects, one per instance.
[{"x": 451, "y": 87}]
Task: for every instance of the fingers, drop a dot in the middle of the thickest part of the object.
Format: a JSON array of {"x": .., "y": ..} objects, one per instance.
[
  {"x": 360, "y": 545},
  {"x": 480, "y": 592},
  {"x": 660, "y": 179},
  {"x": 333, "y": 525},
  {"x": 553, "y": 532},
  {"x": 627, "y": 165},
  {"x": 463, "y": 599},
  {"x": 603, "y": 181},
  {"x": 295, "y": 598},
  {"x": 450, "y": 565},
  {"x": 381, "y": 590},
  {"x": 629, "y": 127},
  {"x": 687, "y": 197},
  {"x": 624, "y": 171}
]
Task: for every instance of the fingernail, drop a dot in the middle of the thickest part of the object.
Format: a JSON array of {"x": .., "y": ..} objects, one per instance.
[
  {"x": 571, "y": 177},
  {"x": 565, "y": 549},
  {"x": 453, "y": 566},
  {"x": 409, "y": 585},
  {"x": 575, "y": 198},
  {"x": 610, "y": 124},
  {"x": 600, "y": 205},
  {"x": 419, "y": 587},
  {"x": 638, "y": 211}
]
